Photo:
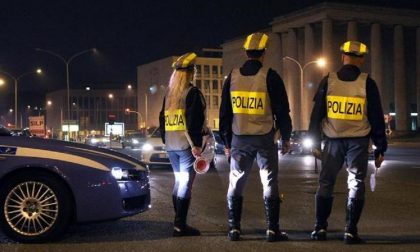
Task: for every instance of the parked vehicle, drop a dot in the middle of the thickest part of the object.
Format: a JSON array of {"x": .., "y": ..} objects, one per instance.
[
  {"x": 96, "y": 140},
  {"x": 154, "y": 151},
  {"x": 219, "y": 147},
  {"x": 133, "y": 140},
  {"x": 21, "y": 132},
  {"x": 46, "y": 185},
  {"x": 300, "y": 142}
]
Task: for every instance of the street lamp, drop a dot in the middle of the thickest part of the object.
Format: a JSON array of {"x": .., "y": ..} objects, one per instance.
[
  {"x": 67, "y": 63},
  {"x": 128, "y": 111},
  {"x": 320, "y": 62},
  {"x": 16, "y": 80}
]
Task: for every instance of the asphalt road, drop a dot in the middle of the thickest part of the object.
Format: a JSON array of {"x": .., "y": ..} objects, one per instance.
[{"x": 390, "y": 222}]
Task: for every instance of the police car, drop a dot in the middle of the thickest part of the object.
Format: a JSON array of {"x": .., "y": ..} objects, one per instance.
[{"x": 46, "y": 185}]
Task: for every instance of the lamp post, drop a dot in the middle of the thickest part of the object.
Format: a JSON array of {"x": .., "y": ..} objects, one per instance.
[
  {"x": 67, "y": 63},
  {"x": 16, "y": 80},
  {"x": 320, "y": 62},
  {"x": 127, "y": 111}
]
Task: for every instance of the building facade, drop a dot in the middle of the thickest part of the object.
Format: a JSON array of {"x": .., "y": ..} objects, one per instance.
[
  {"x": 392, "y": 36},
  {"x": 90, "y": 110},
  {"x": 153, "y": 79}
]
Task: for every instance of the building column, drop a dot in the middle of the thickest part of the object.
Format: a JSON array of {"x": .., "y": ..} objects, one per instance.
[
  {"x": 418, "y": 75},
  {"x": 327, "y": 40},
  {"x": 273, "y": 55},
  {"x": 309, "y": 87},
  {"x": 376, "y": 58},
  {"x": 400, "y": 83},
  {"x": 293, "y": 78},
  {"x": 352, "y": 31}
]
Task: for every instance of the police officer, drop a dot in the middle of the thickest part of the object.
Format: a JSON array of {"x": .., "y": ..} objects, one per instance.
[
  {"x": 348, "y": 111},
  {"x": 254, "y": 103},
  {"x": 183, "y": 112}
]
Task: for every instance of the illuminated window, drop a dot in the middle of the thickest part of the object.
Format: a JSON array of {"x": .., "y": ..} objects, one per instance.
[
  {"x": 214, "y": 70},
  {"x": 215, "y": 85},
  {"x": 215, "y": 102},
  {"x": 198, "y": 84}
]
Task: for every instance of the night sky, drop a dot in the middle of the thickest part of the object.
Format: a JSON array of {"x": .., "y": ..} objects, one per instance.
[{"x": 126, "y": 34}]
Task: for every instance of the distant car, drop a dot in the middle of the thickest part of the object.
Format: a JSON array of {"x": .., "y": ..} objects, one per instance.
[
  {"x": 154, "y": 151},
  {"x": 300, "y": 142},
  {"x": 21, "y": 132},
  {"x": 219, "y": 147},
  {"x": 97, "y": 140},
  {"x": 46, "y": 185},
  {"x": 133, "y": 140}
]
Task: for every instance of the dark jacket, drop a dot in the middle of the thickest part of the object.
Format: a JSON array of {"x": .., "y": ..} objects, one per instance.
[
  {"x": 374, "y": 108},
  {"x": 278, "y": 99},
  {"x": 194, "y": 113}
]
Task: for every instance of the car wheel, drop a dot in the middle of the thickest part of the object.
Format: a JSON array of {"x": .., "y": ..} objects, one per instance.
[
  {"x": 35, "y": 207},
  {"x": 123, "y": 146}
]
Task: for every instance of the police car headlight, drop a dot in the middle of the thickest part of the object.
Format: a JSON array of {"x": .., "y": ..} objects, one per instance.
[
  {"x": 308, "y": 143},
  {"x": 94, "y": 141},
  {"x": 105, "y": 140},
  {"x": 119, "y": 173},
  {"x": 135, "y": 141},
  {"x": 147, "y": 147}
]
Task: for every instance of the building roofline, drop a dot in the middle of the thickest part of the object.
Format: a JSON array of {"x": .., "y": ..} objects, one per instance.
[{"x": 368, "y": 13}]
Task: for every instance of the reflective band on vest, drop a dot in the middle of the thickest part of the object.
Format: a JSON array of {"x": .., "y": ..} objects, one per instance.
[
  {"x": 345, "y": 108},
  {"x": 251, "y": 103},
  {"x": 175, "y": 120}
]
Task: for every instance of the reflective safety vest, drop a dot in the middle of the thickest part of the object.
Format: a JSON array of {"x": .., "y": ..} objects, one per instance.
[
  {"x": 176, "y": 125},
  {"x": 251, "y": 104},
  {"x": 346, "y": 108}
]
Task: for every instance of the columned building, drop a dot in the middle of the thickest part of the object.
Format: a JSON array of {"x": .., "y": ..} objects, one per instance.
[
  {"x": 393, "y": 39},
  {"x": 153, "y": 79}
]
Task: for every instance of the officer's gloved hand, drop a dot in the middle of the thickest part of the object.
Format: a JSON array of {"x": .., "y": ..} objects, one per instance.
[
  {"x": 379, "y": 158},
  {"x": 285, "y": 146},
  {"x": 227, "y": 152},
  {"x": 316, "y": 150}
]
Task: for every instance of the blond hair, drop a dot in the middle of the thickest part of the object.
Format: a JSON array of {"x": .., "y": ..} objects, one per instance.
[{"x": 179, "y": 82}]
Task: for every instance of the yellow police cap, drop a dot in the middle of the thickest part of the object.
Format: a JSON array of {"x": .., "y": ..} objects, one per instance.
[
  {"x": 256, "y": 41},
  {"x": 354, "y": 48},
  {"x": 185, "y": 62}
]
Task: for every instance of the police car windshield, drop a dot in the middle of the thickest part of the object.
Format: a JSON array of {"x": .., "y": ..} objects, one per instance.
[{"x": 4, "y": 131}]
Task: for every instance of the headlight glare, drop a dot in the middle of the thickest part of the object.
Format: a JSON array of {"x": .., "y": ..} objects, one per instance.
[
  {"x": 119, "y": 173},
  {"x": 135, "y": 141},
  {"x": 308, "y": 143},
  {"x": 147, "y": 147}
]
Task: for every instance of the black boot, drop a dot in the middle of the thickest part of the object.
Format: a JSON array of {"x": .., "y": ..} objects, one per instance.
[
  {"x": 234, "y": 217},
  {"x": 323, "y": 211},
  {"x": 180, "y": 224},
  {"x": 353, "y": 212},
  {"x": 272, "y": 213}
]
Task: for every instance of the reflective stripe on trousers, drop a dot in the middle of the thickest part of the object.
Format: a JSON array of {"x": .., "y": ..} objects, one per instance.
[
  {"x": 182, "y": 165},
  {"x": 244, "y": 151},
  {"x": 350, "y": 151}
]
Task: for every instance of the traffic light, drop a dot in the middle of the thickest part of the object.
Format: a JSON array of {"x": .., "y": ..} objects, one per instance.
[{"x": 111, "y": 119}]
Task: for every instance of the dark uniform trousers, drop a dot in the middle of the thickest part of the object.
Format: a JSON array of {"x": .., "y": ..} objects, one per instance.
[
  {"x": 243, "y": 153},
  {"x": 352, "y": 151}
]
